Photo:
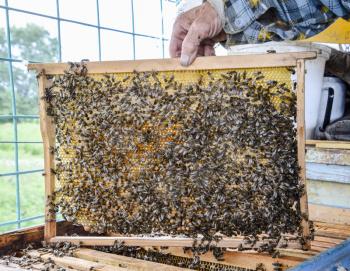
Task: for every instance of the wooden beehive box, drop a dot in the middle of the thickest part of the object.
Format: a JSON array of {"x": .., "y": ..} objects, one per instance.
[{"x": 270, "y": 64}]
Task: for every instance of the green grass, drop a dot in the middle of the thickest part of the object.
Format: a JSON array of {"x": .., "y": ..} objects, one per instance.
[{"x": 31, "y": 185}]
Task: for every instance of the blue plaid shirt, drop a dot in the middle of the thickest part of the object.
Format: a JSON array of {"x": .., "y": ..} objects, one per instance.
[{"x": 256, "y": 21}]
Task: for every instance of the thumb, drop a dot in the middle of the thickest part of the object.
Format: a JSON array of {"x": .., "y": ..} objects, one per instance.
[{"x": 191, "y": 44}]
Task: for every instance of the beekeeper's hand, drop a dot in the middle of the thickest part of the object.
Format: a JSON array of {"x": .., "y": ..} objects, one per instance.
[{"x": 195, "y": 33}]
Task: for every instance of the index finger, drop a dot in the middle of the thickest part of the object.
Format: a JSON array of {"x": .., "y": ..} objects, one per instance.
[
  {"x": 180, "y": 29},
  {"x": 175, "y": 47}
]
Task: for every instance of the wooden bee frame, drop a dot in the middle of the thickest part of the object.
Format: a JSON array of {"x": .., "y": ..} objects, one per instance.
[{"x": 296, "y": 60}]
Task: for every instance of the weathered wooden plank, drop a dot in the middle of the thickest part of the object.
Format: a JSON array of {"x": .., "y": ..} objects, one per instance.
[
  {"x": 76, "y": 263},
  {"x": 127, "y": 262},
  {"x": 300, "y": 254},
  {"x": 334, "y": 241},
  {"x": 328, "y": 156},
  {"x": 318, "y": 249},
  {"x": 322, "y": 244},
  {"x": 334, "y": 231},
  {"x": 16, "y": 240},
  {"x": 339, "y": 235},
  {"x": 173, "y": 64},
  {"x": 329, "y": 193},
  {"x": 12, "y": 268},
  {"x": 327, "y": 144},
  {"x": 332, "y": 226},
  {"x": 331, "y": 173},
  {"x": 15, "y": 267},
  {"x": 322, "y": 213}
]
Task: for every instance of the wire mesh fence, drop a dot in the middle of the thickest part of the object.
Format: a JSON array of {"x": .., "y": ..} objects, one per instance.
[{"x": 55, "y": 31}]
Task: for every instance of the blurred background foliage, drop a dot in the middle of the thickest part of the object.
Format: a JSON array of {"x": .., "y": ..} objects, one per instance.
[{"x": 29, "y": 42}]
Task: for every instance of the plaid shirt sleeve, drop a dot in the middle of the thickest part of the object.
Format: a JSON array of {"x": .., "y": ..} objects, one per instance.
[{"x": 257, "y": 21}]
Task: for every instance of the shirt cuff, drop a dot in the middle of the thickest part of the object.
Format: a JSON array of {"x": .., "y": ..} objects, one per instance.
[
  {"x": 186, "y": 5},
  {"x": 218, "y": 5}
]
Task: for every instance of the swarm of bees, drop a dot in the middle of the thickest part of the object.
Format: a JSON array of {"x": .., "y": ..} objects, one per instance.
[{"x": 146, "y": 153}]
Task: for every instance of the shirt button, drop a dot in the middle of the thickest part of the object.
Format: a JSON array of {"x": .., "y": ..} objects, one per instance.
[{"x": 238, "y": 23}]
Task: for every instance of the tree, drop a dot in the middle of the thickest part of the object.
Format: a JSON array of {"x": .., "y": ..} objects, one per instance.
[
  {"x": 5, "y": 98},
  {"x": 32, "y": 43}
]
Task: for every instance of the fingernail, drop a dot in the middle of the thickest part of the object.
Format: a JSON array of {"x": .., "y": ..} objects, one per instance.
[{"x": 184, "y": 60}]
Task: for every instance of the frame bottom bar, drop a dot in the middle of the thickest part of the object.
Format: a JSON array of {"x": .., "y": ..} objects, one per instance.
[{"x": 143, "y": 241}]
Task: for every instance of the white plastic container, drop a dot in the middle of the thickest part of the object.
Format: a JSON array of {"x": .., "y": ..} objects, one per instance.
[
  {"x": 338, "y": 101},
  {"x": 313, "y": 78}
]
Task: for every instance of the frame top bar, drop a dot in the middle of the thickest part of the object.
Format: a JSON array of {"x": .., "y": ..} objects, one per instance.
[{"x": 172, "y": 64}]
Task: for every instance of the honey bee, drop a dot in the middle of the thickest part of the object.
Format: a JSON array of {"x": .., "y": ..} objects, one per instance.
[{"x": 145, "y": 153}]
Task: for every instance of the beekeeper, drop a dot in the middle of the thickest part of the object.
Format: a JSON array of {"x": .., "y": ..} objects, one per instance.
[{"x": 233, "y": 22}]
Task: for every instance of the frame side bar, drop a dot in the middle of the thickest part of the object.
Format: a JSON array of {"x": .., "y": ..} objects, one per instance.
[
  {"x": 301, "y": 150},
  {"x": 172, "y": 64},
  {"x": 48, "y": 134}
]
